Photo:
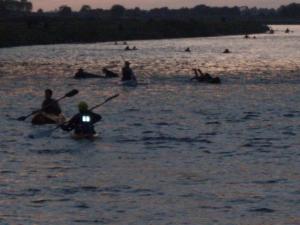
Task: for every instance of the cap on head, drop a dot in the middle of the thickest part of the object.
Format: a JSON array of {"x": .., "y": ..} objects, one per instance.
[{"x": 83, "y": 106}]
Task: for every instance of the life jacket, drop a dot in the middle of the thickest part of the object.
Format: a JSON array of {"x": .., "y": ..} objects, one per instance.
[
  {"x": 127, "y": 74},
  {"x": 85, "y": 125}
]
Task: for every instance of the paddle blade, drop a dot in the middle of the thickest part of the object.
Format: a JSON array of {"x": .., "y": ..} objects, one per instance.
[{"x": 72, "y": 93}]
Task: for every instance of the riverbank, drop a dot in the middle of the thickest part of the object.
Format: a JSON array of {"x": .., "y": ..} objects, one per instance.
[{"x": 40, "y": 31}]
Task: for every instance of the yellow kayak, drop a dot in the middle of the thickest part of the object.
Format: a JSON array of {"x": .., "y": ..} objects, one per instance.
[{"x": 84, "y": 136}]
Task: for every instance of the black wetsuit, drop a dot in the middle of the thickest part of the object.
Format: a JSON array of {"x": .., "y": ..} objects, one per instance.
[
  {"x": 207, "y": 78},
  {"x": 83, "y": 75},
  {"x": 127, "y": 74},
  {"x": 110, "y": 74},
  {"x": 50, "y": 106},
  {"x": 83, "y": 123}
]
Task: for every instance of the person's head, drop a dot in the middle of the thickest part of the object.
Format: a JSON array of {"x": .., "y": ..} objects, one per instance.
[
  {"x": 80, "y": 70},
  {"x": 83, "y": 107},
  {"x": 104, "y": 70},
  {"x": 48, "y": 93},
  {"x": 127, "y": 63}
]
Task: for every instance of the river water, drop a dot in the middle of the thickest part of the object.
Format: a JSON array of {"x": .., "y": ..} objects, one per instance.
[{"x": 170, "y": 151}]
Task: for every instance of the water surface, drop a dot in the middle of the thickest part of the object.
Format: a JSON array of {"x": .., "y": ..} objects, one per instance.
[{"x": 171, "y": 151}]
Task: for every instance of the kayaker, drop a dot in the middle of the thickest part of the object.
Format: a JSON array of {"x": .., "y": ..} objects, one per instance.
[
  {"x": 83, "y": 122},
  {"x": 187, "y": 50},
  {"x": 81, "y": 74},
  {"x": 200, "y": 76},
  {"x": 226, "y": 51},
  {"x": 127, "y": 73},
  {"x": 50, "y": 105},
  {"x": 109, "y": 74},
  {"x": 50, "y": 112},
  {"x": 205, "y": 77}
]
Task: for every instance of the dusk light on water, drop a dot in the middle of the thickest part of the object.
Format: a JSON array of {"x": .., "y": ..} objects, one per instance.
[{"x": 123, "y": 131}]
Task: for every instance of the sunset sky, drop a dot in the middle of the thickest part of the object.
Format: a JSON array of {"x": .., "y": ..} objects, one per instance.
[{"x": 146, "y": 4}]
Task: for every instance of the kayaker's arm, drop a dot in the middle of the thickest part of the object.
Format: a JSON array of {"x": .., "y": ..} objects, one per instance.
[
  {"x": 66, "y": 127},
  {"x": 96, "y": 117},
  {"x": 200, "y": 72},
  {"x": 70, "y": 125}
]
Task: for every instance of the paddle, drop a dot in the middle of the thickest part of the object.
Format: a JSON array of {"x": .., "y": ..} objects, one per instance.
[
  {"x": 68, "y": 95},
  {"x": 107, "y": 100},
  {"x": 49, "y": 132}
]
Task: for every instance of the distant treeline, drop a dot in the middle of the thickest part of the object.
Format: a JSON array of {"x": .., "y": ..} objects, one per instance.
[
  {"x": 21, "y": 7},
  {"x": 76, "y": 30},
  {"x": 20, "y": 26},
  {"x": 14, "y": 7}
]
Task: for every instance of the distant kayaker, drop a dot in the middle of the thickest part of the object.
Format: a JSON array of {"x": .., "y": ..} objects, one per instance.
[
  {"x": 187, "y": 50},
  {"x": 226, "y": 51},
  {"x": 205, "y": 77},
  {"x": 127, "y": 73},
  {"x": 127, "y": 48},
  {"x": 83, "y": 122},
  {"x": 200, "y": 76},
  {"x": 109, "y": 74},
  {"x": 81, "y": 74}
]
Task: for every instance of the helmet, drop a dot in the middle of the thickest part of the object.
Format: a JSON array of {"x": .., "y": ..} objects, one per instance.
[{"x": 83, "y": 106}]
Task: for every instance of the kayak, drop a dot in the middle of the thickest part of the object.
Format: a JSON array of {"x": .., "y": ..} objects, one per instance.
[
  {"x": 87, "y": 76},
  {"x": 84, "y": 136},
  {"x": 129, "y": 83},
  {"x": 215, "y": 80},
  {"x": 45, "y": 118}
]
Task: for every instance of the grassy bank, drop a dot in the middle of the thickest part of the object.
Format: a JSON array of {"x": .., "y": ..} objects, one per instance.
[{"x": 78, "y": 30}]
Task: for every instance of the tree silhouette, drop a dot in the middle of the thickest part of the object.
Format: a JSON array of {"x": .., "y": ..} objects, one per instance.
[
  {"x": 85, "y": 8},
  {"x": 117, "y": 11},
  {"x": 65, "y": 10}
]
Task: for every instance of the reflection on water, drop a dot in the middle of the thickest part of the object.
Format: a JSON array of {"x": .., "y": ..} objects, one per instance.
[{"x": 170, "y": 151}]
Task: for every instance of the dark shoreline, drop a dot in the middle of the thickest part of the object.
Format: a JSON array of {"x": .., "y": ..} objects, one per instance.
[{"x": 78, "y": 31}]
